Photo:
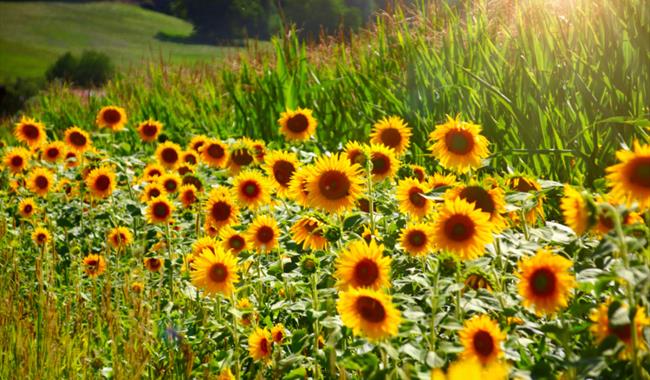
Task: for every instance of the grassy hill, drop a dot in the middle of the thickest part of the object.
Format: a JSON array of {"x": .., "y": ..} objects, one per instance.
[{"x": 34, "y": 34}]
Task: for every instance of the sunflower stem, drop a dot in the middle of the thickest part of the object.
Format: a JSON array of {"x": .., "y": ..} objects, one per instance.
[
  {"x": 434, "y": 303},
  {"x": 314, "y": 291},
  {"x": 170, "y": 276},
  {"x": 459, "y": 311},
  {"x": 371, "y": 205},
  {"x": 235, "y": 335}
]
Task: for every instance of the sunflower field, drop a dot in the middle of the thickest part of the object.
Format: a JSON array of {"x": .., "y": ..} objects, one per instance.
[{"x": 268, "y": 238}]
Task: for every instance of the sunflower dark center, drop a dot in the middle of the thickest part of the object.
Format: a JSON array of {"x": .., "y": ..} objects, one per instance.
[
  {"x": 218, "y": 272},
  {"x": 265, "y": 234},
  {"x": 251, "y": 189},
  {"x": 149, "y": 130},
  {"x": 42, "y": 182},
  {"x": 623, "y": 332},
  {"x": 641, "y": 172},
  {"x": 92, "y": 263},
  {"x": 364, "y": 205},
  {"x": 102, "y": 183},
  {"x": 334, "y": 185},
  {"x": 161, "y": 210},
  {"x": 366, "y": 272},
  {"x": 543, "y": 282},
  {"x": 197, "y": 145},
  {"x": 189, "y": 196},
  {"x": 111, "y": 116},
  {"x": 380, "y": 163},
  {"x": 483, "y": 343},
  {"x": 216, "y": 151},
  {"x": 391, "y": 137},
  {"x": 221, "y": 211},
  {"x": 523, "y": 185},
  {"x": 31, "y": 131},
  {"x": 311, "y": 226},
  {"x": 153, "y": 193},
  {"x": 28, "y": 209},
  {"x": 78, "y": 139},
  {"x": 357, "y": 157},
  {"x": 40, "y": 237},
  {"x": 480, "y": 197},
  {"x": 264, "y": 346},
  {"x": 192, "y": 180},
  {"x": 417, "y": 238},
  {"x": 459, "y": 228},
  {"x": 190, "y": 159},
  {"x": 153, "y": 264},
  {"x": 53, "y": 152},
  {"x": 236, "y": 242},
  {"x": 459, "y": 142},
  {"x": 419, "y": 174},
  {"x": 298, "y": 123},
  {"x": 370, "y": 309},
  {"x": 606, "y": 221},
  {"x": 241, "y": 157},
  {"x": 17, "y": 161},
  {"x": 169, "y": 155},
  {"x": 171, "y": 185},
  {"x": 283, "y": 171},
  {"x": 416, "y": 198}
]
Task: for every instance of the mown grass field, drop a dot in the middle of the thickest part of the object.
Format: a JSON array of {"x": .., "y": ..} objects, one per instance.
[
  {"x": 458, "y": 193},
  {"x": 34, "y": 34}
]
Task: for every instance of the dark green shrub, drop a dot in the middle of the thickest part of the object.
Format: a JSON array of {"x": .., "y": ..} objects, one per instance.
[
  {"x": 13, "y": 95},
  {"x": 91, "y": 69},
  {"x": 63, "y": 68}
]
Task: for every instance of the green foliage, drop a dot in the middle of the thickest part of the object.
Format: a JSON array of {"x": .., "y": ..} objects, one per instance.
[
  {"x": 64, "y": 68},
  {"x": 93, "y": 68}
]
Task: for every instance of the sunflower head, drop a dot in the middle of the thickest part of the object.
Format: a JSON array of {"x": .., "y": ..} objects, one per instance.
[
  {"x": 461, "y": 229},
  {"x": 40, "y": 181},
  {"x": 488, "y": 200},
  {"x": 297, "y": 125},
  {"x": 369, "y": 313},
  {"x": 153, "y": 264},
  {"x": 153, "y": 171},
  {"x": 363, "y": 265},
  {"x": 482, "y": 338},
  {"x": 77, "y": 139},
  {"x": 53, "y": 151},
  {"x": 251, "y": 189},
  {"x": 280, "y": 167},
  {"x": 94, "y": 265},
  {"x": 298, "y": 186},
  {"x": 278, "y": 332},
  {"x": 221, "y": 210},
  {"x": 27, "y": 207},
  {"x": 545, "y": 282},
  {"x": 16, "y": 159},
  {"x": 630, "y": 178},
  {"x": 151, "y": 191},
  {"x": 171, "y": 182},
  {"x": 439, "y": 181},
  {"x": 263, "y": 234},
  {"x": 111, "y": 117},
  {"x": 579, "y": 211},
  {"x": 190, "y": 157},
  {"x": 415, "y": 239},
  {"x": 169, "y": 154},
  {"x": 149, "y": 130},
  {"x": 334, "y": 184},
  {"x": 392, "y": 132},
  {"x": 527, "y": 184},
  {"x": 197, "y": 142},
  {"x": 458, "y": 145},
  {"x": 119, "y": 237},
  {"x": 101, "y": 182},
  {"x": 603, "y": 326},
  {"x": 356, "y": 153},
  {"x": 187, "y": 195},
  {"x": 215, "y": 271},
  {"x": 160, "y": 210},
  {"x": 214, "y": 153},
  {"x": 260, "y": 345},
  {"x": 384, "y": 162},
  {"x": 30, "y": 132},
  {"x": 477, "y": 279},
  {"x": 241, "y": 156},
  {"x": 418, "y": 172},
  {"x": 309, "y": 232},
  {"x": 232, "y": 241},
  {"x": 41, "y": 236},
  {"x": 411, "y": 200}
]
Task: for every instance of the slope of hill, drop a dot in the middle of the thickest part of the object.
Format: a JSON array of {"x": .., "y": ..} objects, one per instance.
[{"x": 34, "y": 34}]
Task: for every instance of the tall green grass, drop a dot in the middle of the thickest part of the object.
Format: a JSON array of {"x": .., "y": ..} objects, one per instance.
[{"x": 557, "y": 88}]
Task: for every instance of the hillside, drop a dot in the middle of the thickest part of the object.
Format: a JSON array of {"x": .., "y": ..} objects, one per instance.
[{"x": 34, "y": 34}]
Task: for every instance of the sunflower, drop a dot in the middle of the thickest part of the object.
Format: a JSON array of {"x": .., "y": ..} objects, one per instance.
[
  {"x": 334, "y": 184},
  {"x": 251, "y": 189},
  {"x": 16, "y": 159},
  {"x": 30, "y": 132},
  {"x": 71, "y": 159},
  {"x": 476, "y": 279},
  {"x": 232, "y": 241},
  {"x": 280, "y": 167},
  {"x": 458, "y": 145},
  {"x": 149, "y": 130},
  {"x": 545, "y": 282},
  {"x": 221, "y": 210},
  {"x": 214, "y": 153},
  {"x": 263, "y": 234},
  {"x": 94, "y": 265},
  {"x": 630, "y": 179},
  {"x": 367, "y": 235},
  {"x": 259, "y": 345},
  {"x": 438, "y": 180},
  {"x": 462, "y": 229},
  {"x": 410, "y": 198},
  {"x": 465, "y": 369},
  {"x": 392, "y": 132},
  {"x": 171, "y": 182},
  {"x": 153, "y": 264},
  {"x": 363, "y": 265},
  {"x": 368, "y": 312},
  {"x": 54, "y": 151},
  {"x": 151, "y": 191},
  {"x": 603, "y": 327},
  {"x": 77, "y": 139},
  {"x": 169, "y": 154},
  {"x": 226, "y": 374},
  {"x": 41, "y": 236},
  {"x": 111, "y": 117},
  {"x": 259, "y": 147},
  {"x": 384, "y": 162},
  {"x": 419, "y": 172},
  {"x": 160, "y": 210},
  {"x": 137, "y": 287},
  {"x": 278, "y": 332},
  {"x": 416, "y": 239},
  {"x": 576, "y": 210},
  {"x": 204, "y": 243},
  {"x": 298, "y": 189},
  {"x": 490, "y": 201},
  {"x": 355, "y": 153},
  {"x": 101, "y": 182},
  {"x": 190, "y": 158},
  {"x": 297, "y": 125},
  {"x": 119, "y": 237},
  {"x": 197, "y": 142},
  {"x": 215, "y": 271},
  {"x": 482, "y": 338},
  {"x": 310, "y": 233},
  {"x": 187, "y": 195},
  {"x": 27, "y": 207},
  {"x": 526, "y": 184},
  {"x": 241, "y": 155},
  {"x": 40, "y": 181}
]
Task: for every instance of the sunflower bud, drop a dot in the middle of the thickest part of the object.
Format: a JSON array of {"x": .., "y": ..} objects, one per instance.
[
  {"x": 309, "y": 264},
  {"x": 333, "y": 234}
]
